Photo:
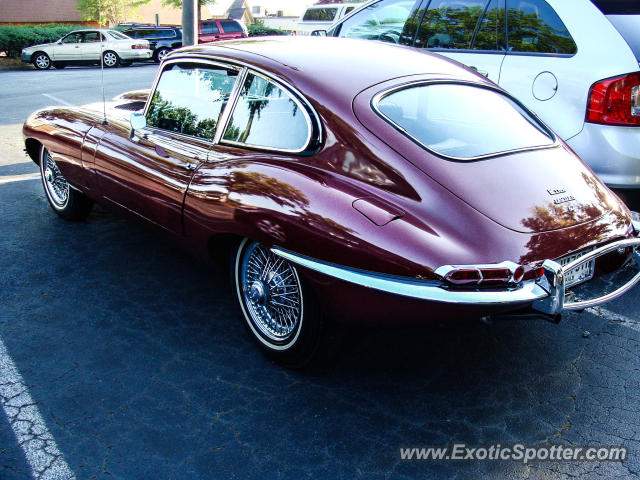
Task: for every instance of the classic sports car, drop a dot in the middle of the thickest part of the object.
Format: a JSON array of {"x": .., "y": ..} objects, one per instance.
[{"x": 346, "y": 179}]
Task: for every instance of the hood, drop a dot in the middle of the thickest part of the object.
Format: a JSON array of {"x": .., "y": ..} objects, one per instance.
[{"x": 31, "y": 47}]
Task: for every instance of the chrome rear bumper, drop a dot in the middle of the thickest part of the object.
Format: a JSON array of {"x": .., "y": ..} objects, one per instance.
[{"x": 547, "y": 294}]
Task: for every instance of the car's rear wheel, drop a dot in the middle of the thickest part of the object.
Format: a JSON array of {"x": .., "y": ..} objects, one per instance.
[
  {"x": 279, "y": 309},
  {"x": 160, "y": 54},
  {"x": 67, "y": 202},
  {"x": 41, "y": 61},
  {"x": 110, "y": 59}
]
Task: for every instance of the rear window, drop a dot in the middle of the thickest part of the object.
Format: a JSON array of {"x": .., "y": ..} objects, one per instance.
[
  {"x": 462, "y": 122},
  {"x": 320, "y": 14},
  {"x": 629, "y": 27},
  {"x": 117, "y": 35}
]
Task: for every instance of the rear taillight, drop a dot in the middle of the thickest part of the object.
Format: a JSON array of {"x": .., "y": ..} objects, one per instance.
[
  {"x": 615, "y": 101},
  {"x": 139, "y": 47},
  {"x": 496, "y": 274}
]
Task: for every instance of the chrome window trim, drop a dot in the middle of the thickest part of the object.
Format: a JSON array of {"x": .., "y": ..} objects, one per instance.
[
  {"x": 301, "y": 108},
  {"x": 180, "y": 60},
  {"x": 415, "y": 83},
  {"x": 316, "y": 124},
  {"x": 231, "y": 103}
]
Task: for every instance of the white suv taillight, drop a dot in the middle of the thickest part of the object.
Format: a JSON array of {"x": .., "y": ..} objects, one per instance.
[{"x": 615, "y": 101}]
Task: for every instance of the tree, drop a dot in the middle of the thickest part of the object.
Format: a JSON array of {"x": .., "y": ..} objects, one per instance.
[
  {"x": 108, "y": 11},
  {"x": 178, "y": 4}
]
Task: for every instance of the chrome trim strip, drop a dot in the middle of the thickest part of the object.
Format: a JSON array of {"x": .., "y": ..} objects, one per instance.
[
  {"x": 435, "y": 291},
  {"x": 379, "y": 96},
  {"x": 231, "y": 103},
  {"x": 186, "y": 55}
]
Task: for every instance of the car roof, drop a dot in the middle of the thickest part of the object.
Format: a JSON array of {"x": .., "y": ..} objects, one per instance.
[{"x": 341, "y": 66}]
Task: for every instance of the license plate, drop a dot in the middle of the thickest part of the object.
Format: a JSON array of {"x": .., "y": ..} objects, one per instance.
[{"x": 579, "y": 274}]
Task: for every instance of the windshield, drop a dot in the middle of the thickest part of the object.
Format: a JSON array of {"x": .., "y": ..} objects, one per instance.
[
  {"x": 462, "y": 121},
  {"x": 326, "y": 14}
]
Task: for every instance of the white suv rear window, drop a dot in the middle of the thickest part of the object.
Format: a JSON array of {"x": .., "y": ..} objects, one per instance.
[{"x": 462, "y": 121}]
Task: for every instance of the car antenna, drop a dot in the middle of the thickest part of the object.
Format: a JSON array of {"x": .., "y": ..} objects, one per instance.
[{"x": 104, "y": 102}]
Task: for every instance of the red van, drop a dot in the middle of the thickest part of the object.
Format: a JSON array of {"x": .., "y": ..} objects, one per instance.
[{"x": 215, "y": 30}]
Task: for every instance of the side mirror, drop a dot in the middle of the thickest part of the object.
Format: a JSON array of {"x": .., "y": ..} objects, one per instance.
[
  {"x": 319, "y": 33},
  {"x": 137, "y": 121}
]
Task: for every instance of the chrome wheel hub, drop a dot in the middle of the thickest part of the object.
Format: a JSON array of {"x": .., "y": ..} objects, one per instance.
[
  {"x": 272, "y": 293},
  {"x": 56, "y": 185}
]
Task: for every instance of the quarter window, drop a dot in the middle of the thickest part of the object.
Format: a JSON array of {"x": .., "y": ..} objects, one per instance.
[
  {"x": 384, "y": 20},
  {"x": 267, "y": 116},
  {"x": 450, "y": 24},
  {"x": 462, "y": 121},
  {"x": 189, "y": 99},
  {"x": 534, "y": 27}
]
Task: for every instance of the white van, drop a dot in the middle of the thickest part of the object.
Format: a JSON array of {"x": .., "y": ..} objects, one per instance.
[{"x": 320, "y": 17}]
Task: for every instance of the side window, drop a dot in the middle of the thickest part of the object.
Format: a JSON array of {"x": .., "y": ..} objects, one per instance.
[
  {"x": 533, "y": 26},
  {"x": 210, "y": 28},
  {"x": 267, "y": 116},
  {"x": 231, "y": 26},
  {"x": 348, "y": 10},
  {"x": 73, "y": 38},
  {"x": 490, "y": 34},
  {"x": 189, "y": 99},
  {"x": 450, "y": 24},
  {"x": 384, "y": 20},
  {"x": 91, "y": 37}
]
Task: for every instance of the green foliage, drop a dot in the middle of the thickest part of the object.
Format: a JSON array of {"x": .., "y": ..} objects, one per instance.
[
  {"x": 108, "y": 11},
  {"x": 261, "y": 30},
  {"x": 13, "y": 38}
]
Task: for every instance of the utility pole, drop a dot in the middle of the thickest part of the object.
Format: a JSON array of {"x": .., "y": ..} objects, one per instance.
[{"x": 189, "y": 23}]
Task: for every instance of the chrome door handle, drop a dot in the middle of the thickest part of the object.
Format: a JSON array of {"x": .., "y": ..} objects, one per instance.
[{"x": 188, "y": 166}]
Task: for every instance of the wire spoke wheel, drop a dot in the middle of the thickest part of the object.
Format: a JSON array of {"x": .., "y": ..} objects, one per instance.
[
  {"x": 271, "y": 293},
  {"x": 56, "y": 185}
]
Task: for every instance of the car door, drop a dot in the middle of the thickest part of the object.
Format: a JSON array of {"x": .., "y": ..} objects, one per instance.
[
  {"x": 471, "y": 32},
  {"x": 209, "y": 32},
  {"x": 148, "y": 173},
  {"x": 68, "y": 49},
  {"x": 91, "y": 47},
  {"x": 541, "y": 68}
]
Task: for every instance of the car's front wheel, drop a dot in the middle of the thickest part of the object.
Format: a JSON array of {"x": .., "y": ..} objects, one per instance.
[
  {"x": 41, "y": 61},
  {"x": 279, "y": 309},
  {"x": 67, "y": 202},
  {"x": 110, "y": 59}
]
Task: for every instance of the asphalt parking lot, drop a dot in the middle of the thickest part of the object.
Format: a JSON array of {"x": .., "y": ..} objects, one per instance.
[{"x": 123, "y": 357}]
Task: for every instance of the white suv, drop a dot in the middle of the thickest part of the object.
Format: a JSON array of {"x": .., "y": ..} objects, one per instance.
[
  {"x": 85, "y": 47},
  {"x": 573, "y": 62}
]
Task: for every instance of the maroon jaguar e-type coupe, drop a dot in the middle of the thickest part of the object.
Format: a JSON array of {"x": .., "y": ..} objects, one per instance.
[{"x": 349, "y": 179}]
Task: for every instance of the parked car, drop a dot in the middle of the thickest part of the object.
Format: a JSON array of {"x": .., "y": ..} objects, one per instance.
[
  {"x": 412, "y": 189},
  {"x": 162, "y": 39},
  {"x": 322, "y": 16},
  {"x": 216, "y": 30},
  {"x": 86, "y": 47},
  {"x": 574, "y": 62}
]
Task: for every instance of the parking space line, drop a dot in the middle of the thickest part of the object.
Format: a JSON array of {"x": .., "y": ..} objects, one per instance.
[
  {"x": 19, "y": 178},
  {"x": 56, "y": 99},
  {"x": 42, "y": 453}
]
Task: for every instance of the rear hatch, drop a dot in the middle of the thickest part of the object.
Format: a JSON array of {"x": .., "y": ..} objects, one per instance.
[
  {"x": 624, "y": 15},
  {"x": 487, "y": 150}
]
